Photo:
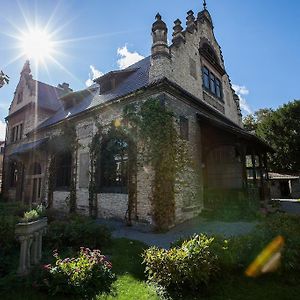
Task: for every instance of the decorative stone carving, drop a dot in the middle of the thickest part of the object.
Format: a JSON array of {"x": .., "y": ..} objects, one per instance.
[{"x": 30, "y": 236}]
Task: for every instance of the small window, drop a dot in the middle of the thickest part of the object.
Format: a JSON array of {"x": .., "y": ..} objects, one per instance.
[
  {"x": 12, "y": 137},
  {"x": 212, "y": 83},
  {"x": 184, "y": 128},
  {"x": 21, "y": 131},
  {"x": 206, "y": 77},
  {"x": 218, "y": 88},
  {"x": 63, "y": 170}
]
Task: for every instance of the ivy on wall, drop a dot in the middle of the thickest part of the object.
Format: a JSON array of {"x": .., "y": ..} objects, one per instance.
[
  {"x": 66, "y": 141},
  {"x": 95, "y": 150},
  {"x": 117, "y": 130},
  {"x": 164, "y": 150}
]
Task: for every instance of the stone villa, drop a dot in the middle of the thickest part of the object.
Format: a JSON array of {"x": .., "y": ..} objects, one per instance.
[{"x": 189, "y": 77}]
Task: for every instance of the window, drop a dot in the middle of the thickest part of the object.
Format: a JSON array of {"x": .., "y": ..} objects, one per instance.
[
  {"x": 16, "y": 133},
  {"x": 113, "y": 166},
  {"x": 218, "y": 89},
  {"x": 184, "y": 128},
  {"x": 211, "y": 83},
  {"x": 13, "y": 174},
  {"x": 206, "y": 77},
  {"x": 63, "y": 170}
]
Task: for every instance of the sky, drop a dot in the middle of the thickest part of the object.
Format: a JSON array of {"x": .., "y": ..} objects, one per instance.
[{"x": 260, "y": 42}]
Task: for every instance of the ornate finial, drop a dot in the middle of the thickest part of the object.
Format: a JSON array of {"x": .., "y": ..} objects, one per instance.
[
  {"x": 204, "y": 4},
  {"x": 158, "y": 17}
]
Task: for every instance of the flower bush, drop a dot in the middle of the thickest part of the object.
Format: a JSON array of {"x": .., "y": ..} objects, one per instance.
[
  {"x": 84, "y": 276},
  {"x": 191, "y": 265}
]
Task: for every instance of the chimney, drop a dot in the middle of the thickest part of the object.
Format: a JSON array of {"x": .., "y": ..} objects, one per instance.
[
  {"x": 178, "y": 36},
  {"x": 190, "y": 22}
]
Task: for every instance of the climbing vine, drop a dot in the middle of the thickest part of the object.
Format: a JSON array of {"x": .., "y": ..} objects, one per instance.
[
  {"x": 95, "y": 149},
  {"x": 117, "y": 130},
  {"x": 163, "y": 150},
  {"x": 66, "y": 141}
]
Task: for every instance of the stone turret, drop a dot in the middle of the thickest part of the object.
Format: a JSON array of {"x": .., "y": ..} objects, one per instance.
[
  {"x": 160, "y": 52},
  {"x": 160, "y": 38},
  {"x": 190, "y": 21},
  {"x": 178, "y": 36}
]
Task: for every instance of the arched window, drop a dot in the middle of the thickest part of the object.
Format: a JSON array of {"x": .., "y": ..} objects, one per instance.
[
  {"x": 63, "y": 170},
  {"x": 113, "y": 166},
  {"x": 208, "y": 52}
]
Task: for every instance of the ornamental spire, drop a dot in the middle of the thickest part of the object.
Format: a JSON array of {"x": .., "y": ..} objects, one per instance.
[{"x": 204, "y": 4}]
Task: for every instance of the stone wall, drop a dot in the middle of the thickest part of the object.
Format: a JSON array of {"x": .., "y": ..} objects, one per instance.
[{"x": 184, "y": 67}]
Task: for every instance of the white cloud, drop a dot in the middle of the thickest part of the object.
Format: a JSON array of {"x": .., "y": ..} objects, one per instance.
[
  {"x": 242, "y": 91},
  {"x": 93, "y": 74},
  {"x": 127, "y": 58},
  {"x": 2, "y": 130}
]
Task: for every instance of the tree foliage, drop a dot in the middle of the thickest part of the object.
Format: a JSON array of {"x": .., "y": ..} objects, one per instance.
[
  {"x": 4, "y": 79},
  {"x": 280, "y": 129}
]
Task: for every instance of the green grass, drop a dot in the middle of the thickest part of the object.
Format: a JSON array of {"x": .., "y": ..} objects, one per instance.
[{"x": 130, "y": 285}]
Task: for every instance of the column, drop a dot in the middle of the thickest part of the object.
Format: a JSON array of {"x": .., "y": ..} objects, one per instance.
[{"x": 23, "y": 255}]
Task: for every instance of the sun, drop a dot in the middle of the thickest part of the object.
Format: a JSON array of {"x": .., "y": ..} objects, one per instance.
[{"x": 37, "y": 44}]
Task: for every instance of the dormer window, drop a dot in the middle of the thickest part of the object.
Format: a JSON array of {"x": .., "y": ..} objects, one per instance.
[{"x": 212, "y": 84}]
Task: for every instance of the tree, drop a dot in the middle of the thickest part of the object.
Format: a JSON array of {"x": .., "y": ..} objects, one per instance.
[
  {"x": 281, "y": 130},
  {"x": 4, "y": 79}
]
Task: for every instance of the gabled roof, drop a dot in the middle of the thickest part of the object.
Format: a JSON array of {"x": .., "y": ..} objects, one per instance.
[
  {"x": 138, "y": 77},
  {"x": 48, "y": 96}
]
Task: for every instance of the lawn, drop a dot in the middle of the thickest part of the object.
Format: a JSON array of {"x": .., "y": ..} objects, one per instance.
[{"x": 126, "y": 260}]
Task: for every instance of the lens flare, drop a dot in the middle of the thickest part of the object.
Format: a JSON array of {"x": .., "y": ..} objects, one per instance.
[
  {"x": 36, "y": 44},
  {"x": 268, "y": 260}
]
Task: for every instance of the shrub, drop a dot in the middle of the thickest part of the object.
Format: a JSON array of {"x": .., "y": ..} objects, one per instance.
[
  {"x": 242, "y": 250},
  {"x": 191, "y": 265},
  {"x": 76, "y": 232},
  {"x": 83, "y": 276}
]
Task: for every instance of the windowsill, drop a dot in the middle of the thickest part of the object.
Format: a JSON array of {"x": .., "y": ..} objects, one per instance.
[{"x": 212, "y": 94}]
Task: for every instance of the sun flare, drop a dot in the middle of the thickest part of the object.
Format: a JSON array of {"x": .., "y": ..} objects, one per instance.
[{"x": 37, "y": 44}]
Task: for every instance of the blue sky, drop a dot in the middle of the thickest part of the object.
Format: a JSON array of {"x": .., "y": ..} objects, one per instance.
[{"x": 260, "y": 41}]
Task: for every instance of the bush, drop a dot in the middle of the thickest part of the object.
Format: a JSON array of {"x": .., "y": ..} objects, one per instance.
[
  {"x": 83, "y": 276},
  {"x": 242, "y": 250},
  {"x": 77, "y": 232},
  {"x": 191, "y": 265}
]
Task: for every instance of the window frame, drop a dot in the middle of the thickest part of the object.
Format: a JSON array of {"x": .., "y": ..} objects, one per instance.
[
  {"x": 104, "y": 185},
  {"x": 215, "y": 84}
]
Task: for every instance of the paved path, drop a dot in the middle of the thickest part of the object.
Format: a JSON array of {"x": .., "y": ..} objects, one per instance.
[{"x": 197, "y": 225}]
